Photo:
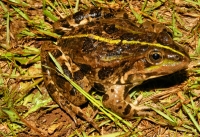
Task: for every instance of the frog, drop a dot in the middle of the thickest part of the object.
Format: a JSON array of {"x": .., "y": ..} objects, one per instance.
[{"x": 107, "y": 50}]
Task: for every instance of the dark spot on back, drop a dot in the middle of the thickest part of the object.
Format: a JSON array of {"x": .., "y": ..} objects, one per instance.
[
  {"x": 112, "y": 90},
  {"x": 95, "y": 12},
  {"x": 109, "y": 28},
  {"x": 87, "y": 45},
  {"x": 120, "y": 107},
  {"x": 99, "y": 87},
  {"x": 85, "y": 68},
  {"x": 66, "y": 71},
  {"x": 105, "y": 72},
  {"x": 79, "y": 16},
  {"x": 97, "y": 31},
  {"x": 129, "y": 36},
  {"x": 78, "y": 75},
  {"x": 116, "y": 51},
  {"x": 148, "y": 37},
  {"x": 92, "y": 23},
  {"x": 127, "y": 109},
  {"x": 105, "y": 97}
]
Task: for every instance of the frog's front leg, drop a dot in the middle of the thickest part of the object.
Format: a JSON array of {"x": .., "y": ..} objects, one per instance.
[{"x": 118, "y": 101}]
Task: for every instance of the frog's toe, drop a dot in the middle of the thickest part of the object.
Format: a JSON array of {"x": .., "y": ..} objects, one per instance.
[
  {"x": 145, "y": 113},
  {"x": 140, "y": 110},
  {"x": 138, "y": 100}
]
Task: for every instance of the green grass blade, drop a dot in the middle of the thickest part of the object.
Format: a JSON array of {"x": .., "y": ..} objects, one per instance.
[{"x": 191, "y": 117}]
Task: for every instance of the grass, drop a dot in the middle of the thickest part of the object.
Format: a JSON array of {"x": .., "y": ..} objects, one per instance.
[{"x": 24, "y": 102}]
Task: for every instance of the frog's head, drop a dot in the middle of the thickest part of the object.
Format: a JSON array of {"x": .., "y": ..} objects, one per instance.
[
  {"x": 163, "y": 58},
  {"x": 157, "y": 59}
]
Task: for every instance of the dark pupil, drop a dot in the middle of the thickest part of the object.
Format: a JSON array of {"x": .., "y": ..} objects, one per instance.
[{"x": 155, "y": 56}]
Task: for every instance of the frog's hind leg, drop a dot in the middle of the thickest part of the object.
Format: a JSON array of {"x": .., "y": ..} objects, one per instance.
[{"x": 62, "y": 92}]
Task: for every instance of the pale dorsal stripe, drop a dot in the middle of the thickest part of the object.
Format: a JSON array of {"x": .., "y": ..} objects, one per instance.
[{"x": 117, "y": 41}]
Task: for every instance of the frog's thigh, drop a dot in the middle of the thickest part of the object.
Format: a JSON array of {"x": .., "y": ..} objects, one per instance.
[{"x": 116, "y": 100}]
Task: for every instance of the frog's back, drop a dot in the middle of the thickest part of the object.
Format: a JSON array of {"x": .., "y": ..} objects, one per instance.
[{"x": 114, "y": 41}]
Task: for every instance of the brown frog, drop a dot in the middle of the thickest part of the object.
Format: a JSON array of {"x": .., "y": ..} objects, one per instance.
[{"x": 106, "y": 50}]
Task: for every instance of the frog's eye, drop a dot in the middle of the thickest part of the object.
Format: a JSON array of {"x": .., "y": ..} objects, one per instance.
[{"x": 155, "y": 57}]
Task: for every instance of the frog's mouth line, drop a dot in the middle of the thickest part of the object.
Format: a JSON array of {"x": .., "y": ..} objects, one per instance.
[
  {"x": 143, "y": 74},
  {"x": 161, "y": 70}
]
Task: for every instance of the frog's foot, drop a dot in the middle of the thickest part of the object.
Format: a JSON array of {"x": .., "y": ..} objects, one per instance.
[
  {"x": 115, "y": 100},
  {"x": 73, "y": 110}
]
